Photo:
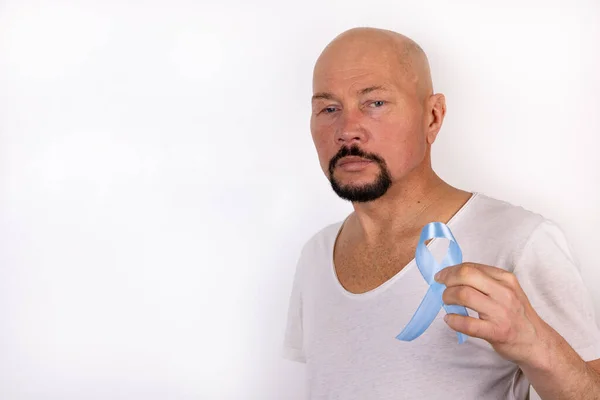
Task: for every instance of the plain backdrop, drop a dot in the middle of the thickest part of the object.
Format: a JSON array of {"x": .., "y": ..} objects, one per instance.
[{"x": 158, "y": 178}]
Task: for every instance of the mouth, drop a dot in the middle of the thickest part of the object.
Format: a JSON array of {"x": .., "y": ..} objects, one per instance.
[
  {"x": 353, "y": 160},
  {"x": 353, "y": 164}
]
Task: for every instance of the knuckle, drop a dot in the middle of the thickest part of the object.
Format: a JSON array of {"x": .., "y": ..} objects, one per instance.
[
  {"x": 463, "y": 294},
  {"x": 511, "y": 280},
  {"x": 465, "y": 271},
  {"x": 508, "y": 297}
]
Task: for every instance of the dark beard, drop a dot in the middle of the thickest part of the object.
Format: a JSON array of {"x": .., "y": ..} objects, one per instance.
[{"x": 360, "y": 193}]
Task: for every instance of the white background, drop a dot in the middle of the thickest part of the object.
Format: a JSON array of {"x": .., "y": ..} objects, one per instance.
[{"x": 157, "y": 175}]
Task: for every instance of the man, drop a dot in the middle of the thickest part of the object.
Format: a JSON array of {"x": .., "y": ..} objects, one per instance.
[{"x": 356, "y": 286}]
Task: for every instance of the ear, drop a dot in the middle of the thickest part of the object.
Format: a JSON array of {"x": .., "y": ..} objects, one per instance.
[{"x": 436, "y": 111}]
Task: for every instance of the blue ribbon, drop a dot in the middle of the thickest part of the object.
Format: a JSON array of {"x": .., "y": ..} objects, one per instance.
[{"x": 432, "y": 302}]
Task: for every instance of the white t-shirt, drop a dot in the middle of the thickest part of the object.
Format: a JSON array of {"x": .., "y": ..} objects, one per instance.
[{"x": 348, "y": 341}]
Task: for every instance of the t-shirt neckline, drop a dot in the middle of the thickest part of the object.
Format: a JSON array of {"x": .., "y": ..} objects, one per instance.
[{"x": 411, "y": 264}]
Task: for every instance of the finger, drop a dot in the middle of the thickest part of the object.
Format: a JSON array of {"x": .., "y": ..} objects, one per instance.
[
  {"x": 468, "y": 274},
  {"x": 505, "y": 290},
  {"x": 494, "y": 272},
  {"x": 472, "y": 298},
  {"x": 471, "y": 326}
]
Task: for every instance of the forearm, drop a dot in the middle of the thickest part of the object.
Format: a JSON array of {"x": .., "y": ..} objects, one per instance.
[{"x": 559, "y": 373}]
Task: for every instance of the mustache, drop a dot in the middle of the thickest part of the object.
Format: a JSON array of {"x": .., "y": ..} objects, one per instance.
[{"x": 353, "y": 151}]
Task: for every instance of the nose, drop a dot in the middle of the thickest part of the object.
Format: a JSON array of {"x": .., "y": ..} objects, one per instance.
[{"x": 349, "y": 130}]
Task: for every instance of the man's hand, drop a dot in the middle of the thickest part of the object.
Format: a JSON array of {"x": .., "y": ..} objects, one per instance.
[
  {"x": 509, "y": 323},
  {"x": 506, "y": 318}
]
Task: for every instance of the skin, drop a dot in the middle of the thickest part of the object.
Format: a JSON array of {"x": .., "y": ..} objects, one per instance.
[{"x": 372, "y": 89}]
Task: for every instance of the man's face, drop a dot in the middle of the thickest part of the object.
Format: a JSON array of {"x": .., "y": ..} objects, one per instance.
[{"x": 367, "y": 124}]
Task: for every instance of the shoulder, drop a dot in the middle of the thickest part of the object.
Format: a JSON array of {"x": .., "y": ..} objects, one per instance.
[
  {"x": 322, "y": 240},
  {"x": 504, "y": 228},
  {"x": 504, "y": 213},
  {"x": 317, "y": 250},
  {"x": 504, "y": 217}
]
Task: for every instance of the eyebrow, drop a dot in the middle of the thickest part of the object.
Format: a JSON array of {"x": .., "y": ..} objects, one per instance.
[{"x": 330, "y": 96}]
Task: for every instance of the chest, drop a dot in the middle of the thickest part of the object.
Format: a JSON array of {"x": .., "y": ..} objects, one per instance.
[
  {"x": 360, "y": 269},
  {"x": 350, "y": 340}
]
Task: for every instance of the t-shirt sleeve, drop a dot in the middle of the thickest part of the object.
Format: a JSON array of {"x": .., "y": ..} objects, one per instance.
[
  {"x": 550, "y": 276},
  {"x": 293, "y": 348}
]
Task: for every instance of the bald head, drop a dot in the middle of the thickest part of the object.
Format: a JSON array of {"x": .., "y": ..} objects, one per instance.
[{"x": 404, "y": 59}]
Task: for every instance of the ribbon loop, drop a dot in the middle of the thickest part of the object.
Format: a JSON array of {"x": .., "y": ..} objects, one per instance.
[{"x": 432, "y": 302}]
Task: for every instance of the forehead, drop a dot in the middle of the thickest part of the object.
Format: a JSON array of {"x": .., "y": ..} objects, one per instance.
[{"x": 346, "y": 75}]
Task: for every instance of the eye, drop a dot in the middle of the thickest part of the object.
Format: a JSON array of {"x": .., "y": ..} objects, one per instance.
[
  {"x": 329, "y": 110},
  {"x": 377, "y": 103}
]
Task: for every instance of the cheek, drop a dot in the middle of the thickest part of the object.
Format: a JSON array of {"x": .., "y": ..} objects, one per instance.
[
  {"x": 317, "y": 131},
  {"x": 409, "y": 156},
  {"x": 404, "y": 149},
  {"x": 324, "y": 147}
]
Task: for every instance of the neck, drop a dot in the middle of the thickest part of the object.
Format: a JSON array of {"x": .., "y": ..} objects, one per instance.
[{"x": 405, "y": 208}]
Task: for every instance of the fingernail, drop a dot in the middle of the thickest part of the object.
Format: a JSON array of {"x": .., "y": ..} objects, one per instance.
[
  {"x": 446, "y": 318},
  {"x": 437, "y": 276}
]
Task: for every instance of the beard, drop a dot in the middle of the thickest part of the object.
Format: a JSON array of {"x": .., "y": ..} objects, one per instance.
[{"x": 365, "y": 192}]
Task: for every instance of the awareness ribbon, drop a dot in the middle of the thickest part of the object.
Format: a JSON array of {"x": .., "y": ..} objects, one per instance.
[{"x": 432, "y": 302}]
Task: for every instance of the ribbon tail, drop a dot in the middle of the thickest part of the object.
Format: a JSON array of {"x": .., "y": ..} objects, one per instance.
[{"x": 428, "y": 309}]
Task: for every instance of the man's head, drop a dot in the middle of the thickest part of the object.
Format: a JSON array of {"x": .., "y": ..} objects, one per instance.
[{"x": 374, "y": 115}]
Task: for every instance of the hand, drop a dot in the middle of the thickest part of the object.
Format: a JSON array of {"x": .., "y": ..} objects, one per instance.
[{"x": 506, "y": 318}]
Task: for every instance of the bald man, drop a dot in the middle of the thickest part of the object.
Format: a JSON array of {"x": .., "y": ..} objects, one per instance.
[{"x": 374, "y": 119}]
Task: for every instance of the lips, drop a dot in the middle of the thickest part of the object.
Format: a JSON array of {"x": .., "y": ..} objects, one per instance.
[{"x": 352, "y": 159}]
